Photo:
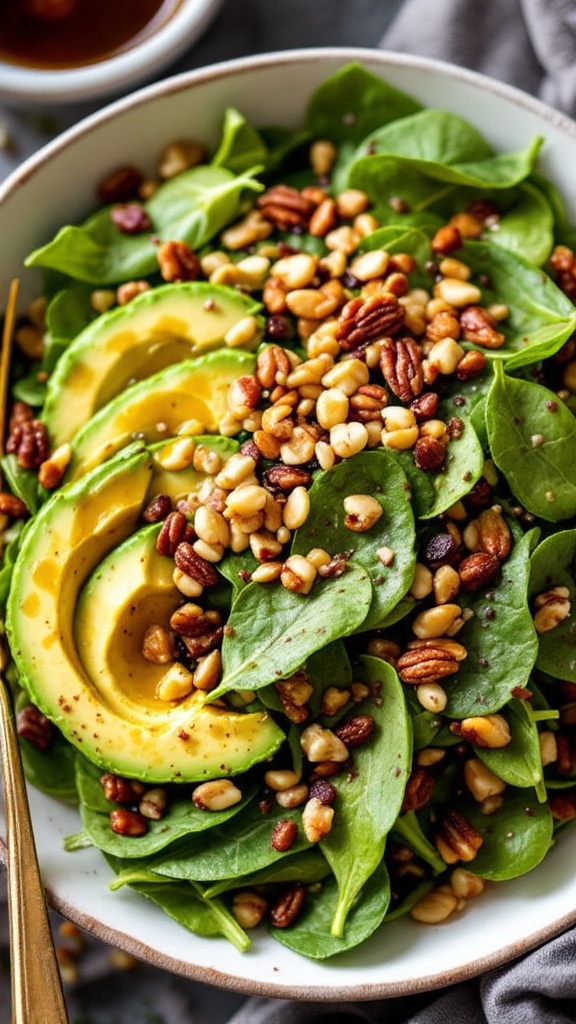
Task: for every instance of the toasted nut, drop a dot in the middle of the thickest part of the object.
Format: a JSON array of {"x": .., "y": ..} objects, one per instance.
[
  {"x": 348, "y": 439},
  {"x": 423, "y": 582},
  {"x": 208, "y": 670},
  {"x": 158, "y": 644},
  {"x": 479, "y": 326},
  {"x": 295, "y": 796},
  {"x": 436, "y": 906},
  {"x": 320, "y": 744},
  {"x": 457, "y": 293},
  {"x": 128, "y": 823},
  {"x": 281, "y": 779},
  {"x": 216, "y": 795},
  {"x": 551, "y": 608},
  {"x": 490, "y": 731},
  {"x": 316, "y": 819},
  {"x": 481, "y": 781},
  {"x": 446, "y": 584},
  {"x": 354, "y": 731},
  {"x": 298, "y": 574},
  {"x": 457, "y": 839},
  {"x": 154, "y": 803},
  {"x": 286, "y": 907},
  {"x": 446, "y": 239},
  {"x": 548, "y": 747},
  {"x": 419, "y": 789},
  {"x": 432, "y": 697},
  {"x": 333, "y": 700},
  {"x": 119, "y": 790},
  {"x": 362, "y": 512},
  {"x": 427, "y": 661},
  {"x": 477, "y": 571},
  {"x": 465, "y": 884},
  {"x": 175, "y": 684},
  {"x": 382, "y": 647},
  {"x": 494, "y": 537},
  {"x": 248, "y": 909},
  {"x": 436, "y": 622}
]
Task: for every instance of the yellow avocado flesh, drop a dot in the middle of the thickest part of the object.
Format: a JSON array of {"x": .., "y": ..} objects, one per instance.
[
  {"x": 134, "y": 736},
  {"x": 155, "y": 409},
  {"x": 160, "y": 327}
]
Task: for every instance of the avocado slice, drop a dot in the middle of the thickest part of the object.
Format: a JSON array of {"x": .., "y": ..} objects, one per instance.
[
  {"x": 154, "y": 409},
  {"x": 112, "y": 722},
  {"x": 159, "y": 327}
]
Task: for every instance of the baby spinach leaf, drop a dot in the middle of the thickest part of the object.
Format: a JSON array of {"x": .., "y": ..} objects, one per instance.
[
  {"x": 22, "y": 482},
  {"x": 9, "y": 556},
  {"x": 352, "y": 103},
  {"x": 291, "y": 627},
  {"x": 186, "y": 904},
  {"x": 409, "y": 830},
  {"x": 553, "y": 564},
  {"x": 434, "y": 492},
  {"x": 520, "y": 763},
  {"x": 234, "y": 851},
  {"x": 374, "y": 473},
  {"x": 370, "y": 796},
  {"x": 532, "y": 437},
  {"x": 516, "y": 838},
  {"x": 540, "y": 317},
  {"x": 307, "y": 867},
  {"x": 527, "y": 228},
  {"x": 192, "y": 207},
  {"x": 50, "y": 771},
  {"x": 310, "y": 934},
  {"x": 241, "y": 145},
  {"x": 500, "y": 640},
  {"x": 429, "y": 136},
  {"x": 182, "y": 819}
]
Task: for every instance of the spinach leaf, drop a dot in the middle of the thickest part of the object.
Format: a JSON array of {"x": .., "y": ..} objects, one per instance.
[
  {"x": 235, "y": 850},
  {"x": 532, "y": 437},
  {"x": 434, "y": 492},
  {"x": 291, "y": 627},
  {"x": 22, "y": 482},
  {"x": 51, "y": 771},
  {"x": 433, "y": 139},
  {"x": 9, "y": 556},
  {"x": 409, "y": 830},
  {"x": 516, "y": 838},
  {"x": 68, "y": 313},
  {"x": 307, "y": 867},
  {"x": 375, "y": 473},
  {"x": 540, "y": 317},
  {"x": 191, "y": 207},
  {"x": 520, "y": 763},
  {"x": 241, "y": 145},
  {"x": 310, "y": 934},
  {"x": 500, "y": 639},
  {"x": 553, "y": 565},
  {"x": 186, "y": 904},
  {"x": 352, "y": 103},
  {"x": 370, "y": 796},
  {"x": 527, "y": 228},
  {"x": 182, "y": 819}
]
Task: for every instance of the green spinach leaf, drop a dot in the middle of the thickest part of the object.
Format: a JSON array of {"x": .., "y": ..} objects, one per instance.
[{"x": 553, "y": 564}]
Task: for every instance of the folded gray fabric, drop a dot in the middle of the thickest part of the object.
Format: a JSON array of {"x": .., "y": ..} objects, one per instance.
[{"x": 528, "y": 43}]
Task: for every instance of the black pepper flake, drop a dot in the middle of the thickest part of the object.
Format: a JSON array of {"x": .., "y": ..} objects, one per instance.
[{"x": 489, "y": 614}]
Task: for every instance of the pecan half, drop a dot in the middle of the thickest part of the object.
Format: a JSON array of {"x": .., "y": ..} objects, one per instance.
[
  {"x": 479, "y": 326},
  {"x": 477, "y": 571},
  {"x": 418, "y": 790},
  {"x": 171, "y": 533},
  {"x": 28, "y": 440},
  {"x": 158, "y": 508},
  {"x": 128, "y": 823},
  {"x": 286, "y": 207},
  {"x": 427, "y": 661},
  {"x": 194, "y": 565},
  {"x": 178, "y": 262},
  {"x": 355, "y": 730},
  {"x": 272, "y": 365},
  {"x": 12, "y": 506},
  {"x": 364, "y": 320},
  {"x": 401, "y": 365},
  {"x": 33, "y": 726},
  {"x": 283, "y": 835},
  {"x": 286, "y": 907},
  {"x": 120, "y": 790},
  {"x": 457, "y": 839}
]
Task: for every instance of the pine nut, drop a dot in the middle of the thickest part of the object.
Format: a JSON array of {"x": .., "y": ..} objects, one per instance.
[
  {"x": 451, "y": 267},
  {"x": 344, "y": 239},
  {"x": 248, "y": 909},
  {"x": 244, "y": 332},
  {"x": 317, "y": 820},
  {"x": 208, "y": 670},
  {"x": 267, "y": 572},
  {"x": 548, "y": 747},
  {"x": 362, "y": 512},
  {"x": 446, "y": 584},
  {"x": 400, "y": 440},
  {"x": 490, "y": 731},
  {"x": 298, "y": 574},
  {"x": 206, "y": 460},
  {"x": 396, "y": 417},
  {"x": 348, "y": 376},
  {"x": 211, "y": 526},
  {"x": 434, "y": 907},
  {"x": 351, "y": 202},
  {"x": 280, "y": 779},
  {"x": 235, "y": 470},
  {"x": 435, "y": 622},
  {"x": 294, "y": 796},
  {"x": 323, "y": 154},
  {"x": 252, "y": 270},
  {"x": 457, "y": 293},
  {"x": 295, "y": 271},
  {"x": 320, "y": 744},
  {"x": 383, "y": 648},
  {"x": 348, "y": 439},
  {"x": 264, "y": 546},
  {"x": 186, "y": 584},
  {"x": 465, "y": 884},
  {"x": 216, "y": 795},
  {"x": 175, "y": 684},
  {"x": 432, "y": 697},
  {"x": 364, "y": 224},
  {"x": 445, "y": 355},
  {"x": 299, "y": 449},
  {"x": 332, "y": 407},
  {"x": 297, "y": 508},
  {"x": 370, "y": 265},
  {"x": 325, "y": 455},
  {"x": 210, "y": 552},
  {"x": 422, "y": 583},
  {"x": 311, "y": 371}
]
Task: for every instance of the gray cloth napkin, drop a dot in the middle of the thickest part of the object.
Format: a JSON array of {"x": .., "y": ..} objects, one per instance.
[{"x": 530, "y": 44}]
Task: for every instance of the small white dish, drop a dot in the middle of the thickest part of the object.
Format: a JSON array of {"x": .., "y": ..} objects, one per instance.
[
  {"x": 113, "y": 75},
  {"x": 57, "y": 186}
]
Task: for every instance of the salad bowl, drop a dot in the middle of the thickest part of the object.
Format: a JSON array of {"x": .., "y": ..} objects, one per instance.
[{"x": 58, "y": 186}]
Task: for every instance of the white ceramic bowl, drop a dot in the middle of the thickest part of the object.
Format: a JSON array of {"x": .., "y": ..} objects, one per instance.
[
  {"x": 57, "y": 186},
  {"x": 114, "y": 75}
]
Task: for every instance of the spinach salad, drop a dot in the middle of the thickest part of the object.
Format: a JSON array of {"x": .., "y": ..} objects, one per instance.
[{"x": 290, "y": 521}]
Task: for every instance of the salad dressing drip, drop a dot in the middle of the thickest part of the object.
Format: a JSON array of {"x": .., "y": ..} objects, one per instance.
[{"x": 58, "y": 34}]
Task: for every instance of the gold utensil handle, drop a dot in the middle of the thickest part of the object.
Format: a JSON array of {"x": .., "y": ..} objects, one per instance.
[{"x": 37, "y": 996}]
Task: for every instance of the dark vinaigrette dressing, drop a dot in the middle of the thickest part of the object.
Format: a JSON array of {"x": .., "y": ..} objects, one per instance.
[{"x": 69, "y": 33}]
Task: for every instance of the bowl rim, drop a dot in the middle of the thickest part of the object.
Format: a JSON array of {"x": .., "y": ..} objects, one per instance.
[
  {"x": 105, "y": 77},
  {"x": 34, "y": 164}
]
